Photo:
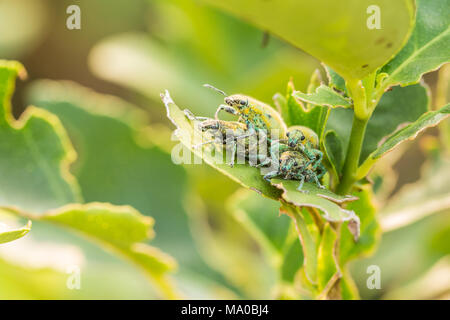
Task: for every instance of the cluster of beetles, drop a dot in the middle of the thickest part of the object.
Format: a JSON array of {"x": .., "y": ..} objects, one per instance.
[{"x": 293, "y": 154}]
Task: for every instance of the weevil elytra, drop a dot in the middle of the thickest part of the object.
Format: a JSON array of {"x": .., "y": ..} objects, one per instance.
[
  {"x": 232, "y": 135},
  {"x": 255, "y": 114}
]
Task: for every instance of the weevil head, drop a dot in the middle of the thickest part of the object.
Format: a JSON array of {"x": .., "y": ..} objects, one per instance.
[
  {"x": 295, "y": 134},
  {"x": 237, "y": 101},
  {"x": 295, "y": 137}
]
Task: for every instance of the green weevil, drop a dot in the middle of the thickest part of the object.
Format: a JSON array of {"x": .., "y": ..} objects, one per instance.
[
  {"x": 236, "y": 134},
  {"x": 301, "y": 139},
  {"x": 294, "y": 165},
  {"x": 257, "y": 115}
]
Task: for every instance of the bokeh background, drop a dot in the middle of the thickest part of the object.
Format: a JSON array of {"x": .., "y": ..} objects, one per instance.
[{"x": 133, "y": 50}]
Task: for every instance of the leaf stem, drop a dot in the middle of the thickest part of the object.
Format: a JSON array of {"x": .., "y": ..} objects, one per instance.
[{"x": 353, "y": 154}]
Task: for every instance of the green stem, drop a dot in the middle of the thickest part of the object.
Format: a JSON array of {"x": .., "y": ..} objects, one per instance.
[
  {"x": 353, "y": 154},
  {"x": 361, "y": 115}
]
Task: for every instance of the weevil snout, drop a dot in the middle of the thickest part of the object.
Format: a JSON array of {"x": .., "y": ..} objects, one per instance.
[
  {"x": 229, "y": 101},
  {"x": 209, "y": 124}
]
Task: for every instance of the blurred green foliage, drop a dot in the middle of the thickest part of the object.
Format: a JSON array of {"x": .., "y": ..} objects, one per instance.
[{"x": 228, "y": 242}]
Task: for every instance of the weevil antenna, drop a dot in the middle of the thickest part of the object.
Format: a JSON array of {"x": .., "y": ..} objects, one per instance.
[{"x": 215, "y": 89}]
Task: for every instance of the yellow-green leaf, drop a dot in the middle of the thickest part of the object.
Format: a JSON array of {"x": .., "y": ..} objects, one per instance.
[
  {"x": 121, "y": 229},
  {"x": 370, "y": 228},
  {"x": 35, "y": 153},
  {"x": 9, "y": 234},
  {"x": 408, "y": 132},
  {"x": 327, "y": 265},
  {"x": 321, "y": 199},
  {"x": 336, "y": 32},
  {"x": 324, "y": 96}
]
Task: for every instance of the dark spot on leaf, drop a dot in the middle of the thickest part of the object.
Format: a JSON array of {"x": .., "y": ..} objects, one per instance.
[
  {"x": 389, "y": 45},
  {"x": 380, "y": 40},
  {"x": 365, "y": 66}
]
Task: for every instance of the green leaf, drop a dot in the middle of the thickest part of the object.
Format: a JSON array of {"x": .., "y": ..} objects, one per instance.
[
  {"x": 396, "y": 107},
  {"x": 349, "y": 291},
  {"x": 247, "y": 176},
  {"x": 335, "y": 80},
  {"x": 7, "y": 234},
  {"x": 427, "y": 47},
  {"x": 321, "y": 199},
  {"x": 122, "y": 230},
  {"x": 324, "y": 96},
  {"x": 306, "y": 231},
  {"x": 260, "y": 216},
  {"x": 293, "y": 260},
  {"x": 409, "y": 132},
  {"x": 334, "y": 32},
  {"x": 36, "y": 153},
  {"x": 327, "y": 265},
  {"x": 119, "y": 226},
  {"x": 334, "y": 153},
  {"x": 47, "y": 253},
  {"x": 294, "y": 112},
  {"x": 370, "y": 228}
]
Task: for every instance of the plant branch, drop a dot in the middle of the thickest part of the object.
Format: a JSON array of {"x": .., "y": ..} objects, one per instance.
[{"x": 353, "y": 154}]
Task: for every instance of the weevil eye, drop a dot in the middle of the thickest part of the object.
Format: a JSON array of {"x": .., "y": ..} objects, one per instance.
[
  {"x": 287, "y": 134},
  {"x": 243, "y": 102},
  {"x": 303, "y": 138}
]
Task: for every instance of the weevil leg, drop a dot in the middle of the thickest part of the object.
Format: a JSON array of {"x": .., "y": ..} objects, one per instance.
[
  {"x": 188, "y": 113},
  {"x": 318, "y": 156},
  {"x": 204, "y": 143},
  {"x": 251, "y": 133},
  {"x": 263, "y": 162},
  {"x": 225, "y": 108},
  {"x": 321, "y": 171},
  {"x": 316, "y": 180},
  {"x": 233, "y": 153},
  {"x": 271, "y": 175},
  {"x": 300, "y": 186}
]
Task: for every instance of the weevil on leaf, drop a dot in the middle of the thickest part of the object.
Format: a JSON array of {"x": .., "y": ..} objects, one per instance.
[
  {"x": 233, "y": 136},
  {"x": 257, "y": 115},
  {"x": 294, "y": 165},
  {"x": 300, "y": 139}
]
